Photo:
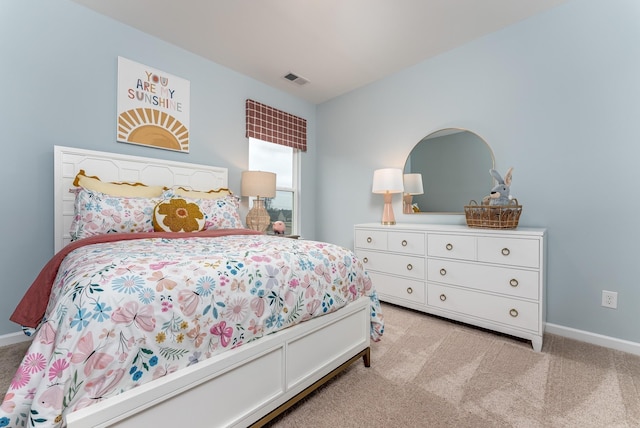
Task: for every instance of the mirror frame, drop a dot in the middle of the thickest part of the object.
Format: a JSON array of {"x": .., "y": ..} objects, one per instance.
[{"x": 444, "y": 132}]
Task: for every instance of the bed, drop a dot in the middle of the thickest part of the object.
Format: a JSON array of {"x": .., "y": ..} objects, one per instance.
[{"x": 217, "y": 327}]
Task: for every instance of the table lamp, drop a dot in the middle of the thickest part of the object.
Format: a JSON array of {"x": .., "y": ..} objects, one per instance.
[
  {"x": 260, "y": 184},
  {"x": 387, "y": 181},
  {"x": 412, "y": 186}
]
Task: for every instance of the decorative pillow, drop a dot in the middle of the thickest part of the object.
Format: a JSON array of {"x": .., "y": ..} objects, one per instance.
[
  {"x": 134, "y": 190},
  {"x": 97, "y": 213},
  {"x": 198, "y": 194},
  {"x": 221, "y": 213},
  {"x": 177, "y": 215}
]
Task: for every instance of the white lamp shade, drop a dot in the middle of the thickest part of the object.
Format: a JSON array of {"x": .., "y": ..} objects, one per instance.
[
  {"x": 258, "y": 183},
  {"x": 413, "y": 184},
  {"x": 387, "y": 180}
]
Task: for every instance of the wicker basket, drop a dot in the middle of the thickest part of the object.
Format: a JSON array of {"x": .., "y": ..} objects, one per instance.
[{"x": 493, "y": 216}]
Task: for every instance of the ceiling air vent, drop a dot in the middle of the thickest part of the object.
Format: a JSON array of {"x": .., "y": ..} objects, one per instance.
[{"x": 296, "y": 79}]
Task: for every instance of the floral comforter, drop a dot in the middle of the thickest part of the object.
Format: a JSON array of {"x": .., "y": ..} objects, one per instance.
[{"x": 124, "y": 313}]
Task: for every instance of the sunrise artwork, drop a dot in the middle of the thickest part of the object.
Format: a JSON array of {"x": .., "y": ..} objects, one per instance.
[{"x": 153, "y": 107}]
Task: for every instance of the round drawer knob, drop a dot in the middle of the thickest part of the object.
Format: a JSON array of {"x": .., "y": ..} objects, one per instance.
[
  {"x": 513, "y": 313},
  {"x": 365, "y": 260},
  {"x": 513, "y": 282},
  {"x": 443, "y": 297},
  {"x": 404, "y": 242},
  {"x": 443, "y": 271},
  {"x": 505, "y": 251},
  {"x": 409, "y": 290},
  {"x": 409, "y": 266},
  {"x": 369, "y": 240},
  {"x": 449, "y": 247}
]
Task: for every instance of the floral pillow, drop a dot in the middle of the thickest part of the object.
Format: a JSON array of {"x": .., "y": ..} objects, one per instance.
[
  {"x": 177, "y": 215},
  {"x": 97, "y": 213},
  {"x": 221, "y": 213}
]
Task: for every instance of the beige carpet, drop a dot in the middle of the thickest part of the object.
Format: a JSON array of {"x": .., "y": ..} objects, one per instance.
[{"x": 429, "y": 372}]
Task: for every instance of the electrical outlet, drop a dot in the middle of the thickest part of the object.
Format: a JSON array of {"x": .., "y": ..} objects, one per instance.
[{"x": 610, "y": 299}]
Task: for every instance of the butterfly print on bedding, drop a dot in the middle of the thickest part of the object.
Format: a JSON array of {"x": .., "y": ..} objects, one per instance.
[
  {"x": 225, "y": 333},
  {"x": 132, "y": 313},
  {"x": 86, "y": 353},
  {"x": 195, "y": 334},
  {"x": 161, "y": 281},
  {"x": 188, "y": 301}
]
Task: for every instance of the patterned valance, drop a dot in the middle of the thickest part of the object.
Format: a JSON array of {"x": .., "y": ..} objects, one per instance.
[{"x": 275, "y": 126}]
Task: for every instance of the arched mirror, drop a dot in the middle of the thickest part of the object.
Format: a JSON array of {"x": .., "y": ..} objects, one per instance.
[{"x": 454, "y": 164}]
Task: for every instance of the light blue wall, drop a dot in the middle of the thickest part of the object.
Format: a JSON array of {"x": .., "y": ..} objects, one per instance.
[
  {"x": 558, "y": 98},
  {"x": 58, "y": 65}
]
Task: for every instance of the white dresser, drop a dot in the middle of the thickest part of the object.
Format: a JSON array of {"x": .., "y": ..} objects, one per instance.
[{"x": 493, "y": 279}]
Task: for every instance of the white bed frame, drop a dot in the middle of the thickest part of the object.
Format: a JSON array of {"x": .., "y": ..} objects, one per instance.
[{"x": 279, "y": 369}]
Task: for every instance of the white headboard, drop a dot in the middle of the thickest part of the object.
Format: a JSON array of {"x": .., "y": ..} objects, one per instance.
[{"x": 117, "y": 167}]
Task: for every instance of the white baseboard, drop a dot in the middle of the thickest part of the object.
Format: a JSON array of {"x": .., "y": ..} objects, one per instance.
[
  {"x": 594, "y": 338},
  {"x": 11, "y": 338}
]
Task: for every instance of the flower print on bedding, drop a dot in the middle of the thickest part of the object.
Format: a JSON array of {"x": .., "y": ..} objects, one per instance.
[{"x": 126, "y": 312}]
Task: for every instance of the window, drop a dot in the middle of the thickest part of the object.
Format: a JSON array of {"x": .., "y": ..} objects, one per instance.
[
  {"x": 276, "y": 139},
  {"x": 282, "y": 160}
]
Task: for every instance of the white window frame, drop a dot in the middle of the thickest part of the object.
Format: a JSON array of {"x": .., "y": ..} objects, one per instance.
[
  {"x": 296, "y": 227},
  {"x": 295, "y": 190}
]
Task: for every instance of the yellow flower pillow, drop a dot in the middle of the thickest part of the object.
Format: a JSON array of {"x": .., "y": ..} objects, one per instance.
[{"x": 177, "y": 215}]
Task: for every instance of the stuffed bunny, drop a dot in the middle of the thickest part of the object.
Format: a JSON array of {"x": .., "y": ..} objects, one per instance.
[{"x": 500, "y": 194}]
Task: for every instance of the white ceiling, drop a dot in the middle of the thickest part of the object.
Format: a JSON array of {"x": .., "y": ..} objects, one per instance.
[{"x": 337, "y": 45}]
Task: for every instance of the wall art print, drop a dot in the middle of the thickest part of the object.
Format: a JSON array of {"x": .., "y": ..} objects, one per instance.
[{"x": 153, "y": 107}]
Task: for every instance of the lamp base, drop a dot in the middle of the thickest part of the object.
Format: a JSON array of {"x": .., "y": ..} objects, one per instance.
[
  {"x": 258, "y": 218},
  {"x": 407, "y": 201},
  {"x": 388, "y": 219}
]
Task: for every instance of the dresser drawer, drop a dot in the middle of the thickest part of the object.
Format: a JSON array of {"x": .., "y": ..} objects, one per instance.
[
  {"x": 406, "y": 242},
  {"x": 371, "y": 239},
  {"x": 510, "y": 281},
  {"x": 399, "y": 288},
  {"x": 451, "y": 246},
  {"x": 509, "y": 251},
  {"x": 394, "y": 264},
  {"x": 503, "y": 310}
]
